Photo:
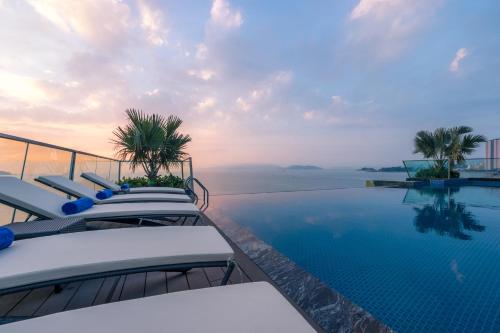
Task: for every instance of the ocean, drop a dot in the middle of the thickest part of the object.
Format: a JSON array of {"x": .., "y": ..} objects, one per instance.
[{"x": 264, "y": 180}]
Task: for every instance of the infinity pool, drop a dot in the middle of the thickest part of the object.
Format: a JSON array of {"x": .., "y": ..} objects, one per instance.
[{"x": 419, "y": 260}]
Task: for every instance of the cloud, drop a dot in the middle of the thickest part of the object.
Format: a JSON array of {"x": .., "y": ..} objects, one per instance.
[
  {"x": 153, "y": 92},
  {"x": 101, "y": 23},
  {"x": 202, "y": 74},
  {"x": 22, "y": 88},
  {"x": 386, "y": 26},
  {"x": 454, "y": 66},
  {"x": 206, "y": 104},
  {"x": 372, "y": 7},
  {"x": 273, "y": 82},
  {"x": 242, "y": 105},
  {"x": 152, "y": 23},
  {"x": 201, "y": 51},
  {"x": 337, "y": 100},
  {"x": 223, "y": 15},
  {"x": 309, "y": 115},
  {"x": 334, "y": 120}
]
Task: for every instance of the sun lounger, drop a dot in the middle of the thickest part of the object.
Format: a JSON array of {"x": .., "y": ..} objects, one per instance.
[
  {"x": 64, "y": 258},
  {"x": 245, "y": 308},
  {"x": 45, "y": 204},
  {"x": 94, "y": 178},
  {"x": 31, "y": 229},
  {"x": 78, "y": 190}
]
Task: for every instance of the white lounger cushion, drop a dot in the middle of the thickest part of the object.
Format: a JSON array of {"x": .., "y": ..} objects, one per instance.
[
  {"x": 79, "y": 190},
  {"x": 109, "y": 184},
  {"x": 139, "y": 209},
  {"x": 157, "y": 190},
  {"x": 147, "y": 197},
  {"x": 247, "y": 308},
  {"x": 30, "y": 198},
  {"x": 43, "y": 203},
  {"x": 69, "y": 255}
]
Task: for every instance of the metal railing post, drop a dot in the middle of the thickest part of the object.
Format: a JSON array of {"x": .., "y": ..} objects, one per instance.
[
  {"x": 72, "y": 166},
  {"x": 191, "y": 173},
  {"x": 119, "y": 170}
]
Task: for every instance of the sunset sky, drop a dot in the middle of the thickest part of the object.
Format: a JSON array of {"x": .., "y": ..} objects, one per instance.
[{"x": 333, "y": 83}]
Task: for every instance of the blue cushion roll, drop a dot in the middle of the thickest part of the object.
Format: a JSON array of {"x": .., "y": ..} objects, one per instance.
[
  {"x": 77, "y": 206},
  {"x": 125, "y": 187},
  {"x": 104, "y": 194},
  {"x": 6, "y": 238}
]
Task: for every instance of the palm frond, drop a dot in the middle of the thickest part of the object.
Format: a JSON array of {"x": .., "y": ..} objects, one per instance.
[{"x": 150, "y": 141}]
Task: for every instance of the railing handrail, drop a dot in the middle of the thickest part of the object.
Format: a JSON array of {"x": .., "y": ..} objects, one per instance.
[
  {"x": 206, "y": 193},
  {"x": 445, "y": 159},
  {"x": 49, "y": 145},
  {"x": 476, "y": 164}
]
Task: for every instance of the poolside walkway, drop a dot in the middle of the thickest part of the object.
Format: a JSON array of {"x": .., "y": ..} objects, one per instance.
[{"x": 43, "y": 301}]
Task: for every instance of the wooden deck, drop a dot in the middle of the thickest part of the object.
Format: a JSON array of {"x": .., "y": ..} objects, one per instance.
[{"x": 44, "y": 301}]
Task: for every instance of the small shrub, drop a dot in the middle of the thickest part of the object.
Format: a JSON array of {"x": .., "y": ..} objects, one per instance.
[
  {"x": 161, "y": 181},
  {"x": 435, "y": 172}
]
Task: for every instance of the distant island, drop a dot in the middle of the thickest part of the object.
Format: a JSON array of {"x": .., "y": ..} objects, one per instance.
[
  {"x": 385, "y": 169},
  {"x": 303, "y": 167}
]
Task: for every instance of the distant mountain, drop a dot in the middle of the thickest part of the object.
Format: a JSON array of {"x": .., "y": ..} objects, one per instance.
[
  {"x": 368, "y": 169},
  {"x": 385, "y": 169},
  {"x": 303, "y": 167},
  {"x": 393, "y": 169}
]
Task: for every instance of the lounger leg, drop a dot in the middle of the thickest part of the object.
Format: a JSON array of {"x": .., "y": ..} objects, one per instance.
[
  {"x": 57, "y": 288},
  {"x": 196, "y": 219},
  {"x": 229, "y": 270}
]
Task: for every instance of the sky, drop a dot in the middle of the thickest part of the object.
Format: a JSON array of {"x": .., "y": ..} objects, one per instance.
[{"x": 332, "y": 83}]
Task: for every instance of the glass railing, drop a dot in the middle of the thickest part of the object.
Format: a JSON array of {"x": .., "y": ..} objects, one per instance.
[
  {"x": 469, "y": 168},
  {"x": 180, "y": 169},
  {"x": 28, "y": 159}
]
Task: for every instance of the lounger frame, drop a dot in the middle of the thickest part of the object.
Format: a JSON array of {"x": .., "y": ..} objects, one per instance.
[
  {"x": 98, "y": 202},
  {"x": 230, "y": 264},
  {"x": 165, "y": 217},
  {"x": 98, "y": 182}
]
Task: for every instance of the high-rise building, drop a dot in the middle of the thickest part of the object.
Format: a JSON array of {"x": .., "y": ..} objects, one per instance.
[{"x": 493, "y": 153}]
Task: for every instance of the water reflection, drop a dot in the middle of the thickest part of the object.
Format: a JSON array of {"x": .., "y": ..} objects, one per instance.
[{"x": 439, "y": 212}]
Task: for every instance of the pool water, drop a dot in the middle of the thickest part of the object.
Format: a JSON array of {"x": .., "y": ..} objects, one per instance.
[{"x": 419, "y": 260}]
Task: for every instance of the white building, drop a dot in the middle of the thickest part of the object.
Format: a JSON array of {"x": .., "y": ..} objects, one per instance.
[{"x": 493, "y": 153}]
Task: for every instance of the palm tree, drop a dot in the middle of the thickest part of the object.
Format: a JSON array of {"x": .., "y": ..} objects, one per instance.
[
  {"x": 462, "y": 143},
  {"x": 150, "y": 141},
  {"x": 447, "y": 144},
  {"x": 432, "y": 145}
]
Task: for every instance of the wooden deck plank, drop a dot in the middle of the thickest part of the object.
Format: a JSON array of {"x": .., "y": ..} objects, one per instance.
[
  {"x": 30, "y": 304},
  {"x": 156, "y": 283},
  {"x": 197, "y": 279},
  {"x": 9, "y": 301},
  {"x": 86, "y": 294},
  {"x": 118, "y": 290},
  {"x": 134, "y": 286},
  {"x": 176, "y": 282},
  {"x": 57, "y": 302},
  {"x": 107, "y": 289},
  {"x": 214, "y": 273}
]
